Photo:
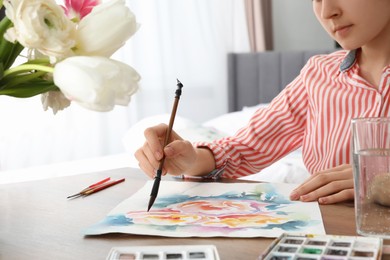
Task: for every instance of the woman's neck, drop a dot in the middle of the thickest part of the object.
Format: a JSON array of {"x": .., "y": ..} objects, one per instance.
[
  {"x": 373, "y": 58},
  {"x": 377, "y": 51}
]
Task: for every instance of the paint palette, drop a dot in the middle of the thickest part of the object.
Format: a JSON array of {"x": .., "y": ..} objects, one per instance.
[
  {"x": 190, "y": 252},
  {"x": 323, "y": 247}
]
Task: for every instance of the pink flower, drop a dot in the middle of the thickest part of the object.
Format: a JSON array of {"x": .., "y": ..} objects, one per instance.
[{"x": 77, "y": 9}]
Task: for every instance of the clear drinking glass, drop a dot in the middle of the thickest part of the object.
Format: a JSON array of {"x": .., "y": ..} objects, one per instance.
[{"x": 371, "y": 168}]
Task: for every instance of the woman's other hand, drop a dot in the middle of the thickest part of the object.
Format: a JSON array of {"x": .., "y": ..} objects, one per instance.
[{"x": 327, "y": 187}]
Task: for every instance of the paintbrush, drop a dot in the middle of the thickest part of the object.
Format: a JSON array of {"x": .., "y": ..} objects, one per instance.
[
  {"x": 101, "y": 185},
  {"x": 157, "y": 179}
]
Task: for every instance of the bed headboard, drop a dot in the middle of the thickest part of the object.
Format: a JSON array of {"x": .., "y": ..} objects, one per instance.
[{"x": 255, "y": 78}]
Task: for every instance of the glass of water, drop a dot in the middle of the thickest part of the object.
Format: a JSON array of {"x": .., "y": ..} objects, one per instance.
[{"x": 371, "y": 169}]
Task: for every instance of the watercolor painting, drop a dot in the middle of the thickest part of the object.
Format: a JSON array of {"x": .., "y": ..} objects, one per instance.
[{"x": 196, "y": 209}]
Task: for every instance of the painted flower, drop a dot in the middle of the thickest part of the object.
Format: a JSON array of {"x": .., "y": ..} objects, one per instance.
[
  {"x": 215, "y": 207},
  {"x": 41, "y": 25},
  {"x": 96, "y": 83},
  {"x": 77, "y": 9},
  {"x": 234, "y": 214},
  {"x": 117, "y": 22},
  {"x": 166, "y": 218}
]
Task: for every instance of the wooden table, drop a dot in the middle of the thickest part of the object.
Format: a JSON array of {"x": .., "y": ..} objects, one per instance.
[{"x": 38, "y": 222}]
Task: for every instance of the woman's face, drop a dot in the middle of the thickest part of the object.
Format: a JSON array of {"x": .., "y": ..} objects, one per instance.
[{"x": 354, "y": 23}]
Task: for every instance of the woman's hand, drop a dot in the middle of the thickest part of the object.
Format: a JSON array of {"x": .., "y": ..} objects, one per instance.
[
  {"x": 180, "y": 155},
  {"x": 329, "y": 186}
]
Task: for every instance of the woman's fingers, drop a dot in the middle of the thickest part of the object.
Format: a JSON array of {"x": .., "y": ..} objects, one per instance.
[
  {"x": 155, "y": 137},
  {"x": 319, "y": 178},
  {"x": 328, "y": 186},
  {"x": 331, "y": 188},
  {"x": 144, "y": 163},
  {"x": 179, "y": 154},
  {"x": 147, "y": 160},
  {"x": 341, "y": 196}
]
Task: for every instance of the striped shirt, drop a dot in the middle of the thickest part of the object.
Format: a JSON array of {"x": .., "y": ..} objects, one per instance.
[{"x": 313, "y": 112}]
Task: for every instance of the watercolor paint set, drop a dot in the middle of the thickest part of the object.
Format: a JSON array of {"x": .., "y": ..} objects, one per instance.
[
  {"x": 177, "y": 252},
  {"x": 323, "y": 247}
]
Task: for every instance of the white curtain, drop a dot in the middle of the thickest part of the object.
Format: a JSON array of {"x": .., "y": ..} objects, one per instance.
[
  {"x": 259, "y": 20},
  {"x": 188, "y": 40},
  {"x": 184, "y": 39}
]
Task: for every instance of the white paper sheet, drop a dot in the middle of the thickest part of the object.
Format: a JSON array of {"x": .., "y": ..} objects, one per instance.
[{"x": 196, "y": 209}]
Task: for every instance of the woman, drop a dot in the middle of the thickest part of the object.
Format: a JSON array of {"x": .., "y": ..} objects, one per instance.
[{"x": 313, "y": 112}]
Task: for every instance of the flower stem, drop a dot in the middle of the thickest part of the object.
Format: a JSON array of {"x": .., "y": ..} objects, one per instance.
[{"x": 28, "y": 67}]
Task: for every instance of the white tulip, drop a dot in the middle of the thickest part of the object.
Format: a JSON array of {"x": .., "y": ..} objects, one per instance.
[
  {"x": 96, "y": 83},
  {"x": 103, "y": 31},
  {"x": 41, "y": 25}
]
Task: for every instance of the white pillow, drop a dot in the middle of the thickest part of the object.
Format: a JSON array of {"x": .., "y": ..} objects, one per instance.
[
  {"x": 253, "y": 109},
  {"x": 289, "y": 169},
  {"x": 231, "y": 122}
]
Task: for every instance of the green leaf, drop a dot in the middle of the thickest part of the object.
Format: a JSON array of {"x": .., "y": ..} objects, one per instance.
[
  {"x": 29, "y": 89},
  {"x": 20, "y": 77},
  {"x": 1, "y": 70},
  {"x": 5, "y": 23},
  {"x": 26, "y": 84},
  {"x": 5, "y": 50},
  {"x": 16, "y": 50},
  {"x": 8, "y": 51}
]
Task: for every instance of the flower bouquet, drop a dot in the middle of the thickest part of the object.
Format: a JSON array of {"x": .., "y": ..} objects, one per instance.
[{"x": 67, "y": 52}]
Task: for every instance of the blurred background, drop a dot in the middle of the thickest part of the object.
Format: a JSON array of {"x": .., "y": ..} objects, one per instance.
[{"x": 184, "y": 39}]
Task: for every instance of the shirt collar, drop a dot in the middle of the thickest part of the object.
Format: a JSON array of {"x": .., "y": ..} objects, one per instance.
[{"x": 349, "y": 61}]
